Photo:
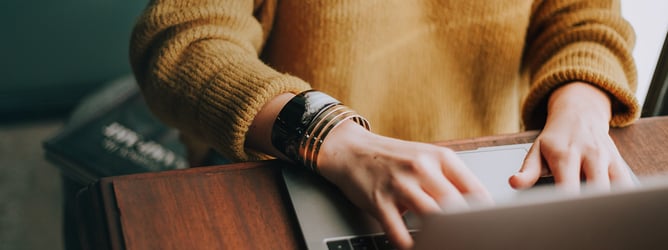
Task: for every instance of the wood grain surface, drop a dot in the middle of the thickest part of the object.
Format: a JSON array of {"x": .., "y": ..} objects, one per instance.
[{"x": 245, "y": 206}]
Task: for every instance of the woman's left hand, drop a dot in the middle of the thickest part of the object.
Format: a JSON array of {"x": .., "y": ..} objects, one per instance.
[{"x": 575, "y": 143}]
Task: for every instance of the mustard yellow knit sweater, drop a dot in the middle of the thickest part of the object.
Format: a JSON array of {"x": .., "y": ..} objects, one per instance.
[{"x": 423, "y": 70}]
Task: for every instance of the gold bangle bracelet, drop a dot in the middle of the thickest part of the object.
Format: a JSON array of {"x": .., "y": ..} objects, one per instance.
[
  {"x": 303, "y": 123},
  {"x": 311, "y": 134},
  {"x": 321, "y": 127},
  {"x": 318, "y": 134}
]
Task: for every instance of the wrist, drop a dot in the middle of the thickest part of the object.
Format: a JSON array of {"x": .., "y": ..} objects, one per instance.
[
  {"x": 305, "y": 122},
  {"x": 582, "y": 100},
  {"x": 337, "y": 148},
  {"x": 259, "y": 133}
]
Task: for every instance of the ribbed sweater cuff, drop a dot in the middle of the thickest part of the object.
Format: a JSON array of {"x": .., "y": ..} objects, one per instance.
[
  {"x": 227, "y": 112},
  {"x": 586, "y": 62}
]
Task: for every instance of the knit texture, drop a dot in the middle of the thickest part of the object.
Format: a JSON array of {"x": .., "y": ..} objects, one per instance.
[{"x": 423, "y": 70}]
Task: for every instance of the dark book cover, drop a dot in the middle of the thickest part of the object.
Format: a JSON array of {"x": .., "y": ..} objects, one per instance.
[{"x": 112, "y": 133}]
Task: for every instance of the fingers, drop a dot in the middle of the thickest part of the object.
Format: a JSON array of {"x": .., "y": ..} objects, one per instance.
[
  {"x": 565, "y": 163},
  {"x": 437, "y": 184},
  {"x": 620, "y": 174},
  {"x": 600, "y": 165},
  {"x": 432, "y": 189},
  {"x": 461, "y": 180},
  {"x": 596, "y": 167},
  {"x": 391, "y": 220},
  {"x": 416, "y": 199},
  {"x": 531, "y": 169},
  {"x": 451, "y": 198}
]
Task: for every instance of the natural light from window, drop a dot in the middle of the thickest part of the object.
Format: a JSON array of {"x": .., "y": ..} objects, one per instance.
[{"x": 650, "y": 21}]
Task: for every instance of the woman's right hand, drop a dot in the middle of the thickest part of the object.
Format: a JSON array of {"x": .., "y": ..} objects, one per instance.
[{"x": 386, "y": 176}]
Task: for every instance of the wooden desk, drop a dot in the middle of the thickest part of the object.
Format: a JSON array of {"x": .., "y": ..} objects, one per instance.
[{"x": 245, "y": 206}]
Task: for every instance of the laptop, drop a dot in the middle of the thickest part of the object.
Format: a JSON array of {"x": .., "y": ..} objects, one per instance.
[
  {"x": 329, "y": 221},
  {"x": 326, "y": 216},
  {"x": 631, "y": 218}
]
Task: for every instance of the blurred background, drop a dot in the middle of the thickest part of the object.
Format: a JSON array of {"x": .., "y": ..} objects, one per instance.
[
  {"x": 52, "y": 53},
  {"x": 55, "y": 52}
]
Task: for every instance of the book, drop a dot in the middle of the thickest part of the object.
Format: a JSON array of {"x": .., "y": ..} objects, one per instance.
[{"x": 112, "y": 132}]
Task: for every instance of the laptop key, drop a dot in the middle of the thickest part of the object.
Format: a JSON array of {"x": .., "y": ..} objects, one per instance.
[
  {"x": 363, "y": 243},
  {"x": 339, "y": 245},
  {"x": 383, "y": 243}
]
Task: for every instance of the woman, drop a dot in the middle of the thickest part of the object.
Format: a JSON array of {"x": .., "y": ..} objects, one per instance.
[{"x": 232, "y": 75}]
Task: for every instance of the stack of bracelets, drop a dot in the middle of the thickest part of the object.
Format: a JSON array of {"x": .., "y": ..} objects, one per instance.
[{"x": 304, "y": 122}]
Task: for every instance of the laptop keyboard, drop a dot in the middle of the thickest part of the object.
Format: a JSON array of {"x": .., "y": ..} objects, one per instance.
[{"x": 370, "y": 242}]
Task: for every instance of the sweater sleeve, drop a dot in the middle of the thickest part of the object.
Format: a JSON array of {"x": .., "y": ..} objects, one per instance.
[
  {"x": 197, "y": 65},
  {"x": 575, "y": 40}
]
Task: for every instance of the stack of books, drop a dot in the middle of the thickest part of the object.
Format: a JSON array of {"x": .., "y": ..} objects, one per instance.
[{"x": 112, "y": 132}]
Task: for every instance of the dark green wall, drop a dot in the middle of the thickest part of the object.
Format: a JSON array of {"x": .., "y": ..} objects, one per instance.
[{"x": 53, "y": 52}]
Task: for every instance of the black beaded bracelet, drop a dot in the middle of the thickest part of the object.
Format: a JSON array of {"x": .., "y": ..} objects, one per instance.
[{"x": 304, "y": 122}]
